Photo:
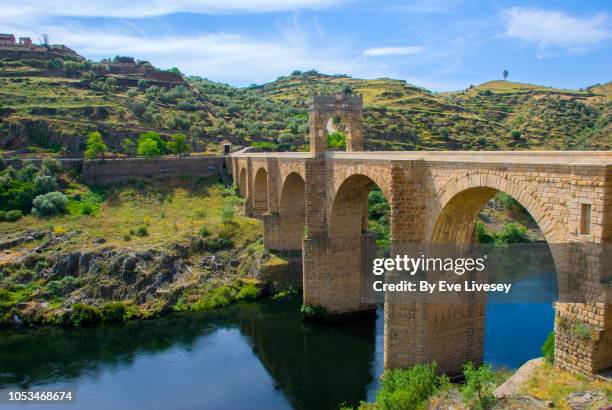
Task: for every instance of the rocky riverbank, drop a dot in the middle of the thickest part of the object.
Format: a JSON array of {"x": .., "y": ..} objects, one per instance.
[{"x": 43, "y": 286}]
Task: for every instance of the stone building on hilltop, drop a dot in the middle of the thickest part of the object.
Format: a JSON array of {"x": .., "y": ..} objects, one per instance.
[{"x": 7, "y": 39}]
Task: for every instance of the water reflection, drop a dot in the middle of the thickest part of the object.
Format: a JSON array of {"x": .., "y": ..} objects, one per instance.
[
  {"x": 251, "y": 353},
  {"x": 256, "y": 354}
]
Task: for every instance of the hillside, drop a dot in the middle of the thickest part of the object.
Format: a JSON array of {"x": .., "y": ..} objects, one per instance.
[{"x": 51, "y": 106}]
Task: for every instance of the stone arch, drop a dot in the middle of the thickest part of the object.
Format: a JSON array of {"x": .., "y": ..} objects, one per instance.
[
  {"x": 260, "y": 192},
  {"x": 473, "y": 190},
  {"x": 349, "y": 209},
  {"x": 242, "y": 182},
  {"x": 348, "y": 107},
  {"x": 292, "y": 211},
  {"x": 453, "y": 220}
]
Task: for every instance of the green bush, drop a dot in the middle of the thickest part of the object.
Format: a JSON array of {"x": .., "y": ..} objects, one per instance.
[
  {"x": 142, "y": 231},
  {"x": 312, "y": 312},
  {"x": 512, "y": 233},
  {"x": 548, "y": 348},
  {"x": 477, "y": 392},
  {"x": 53, "y": 165},
  {"x": 113, "y": 312},
  {"x": 482, "y": 235},
  {"x": 95, "y": 146},
  {"x": 62, "y": 287},
  {"x": 248, "y": 291},
  {"x": 49, "y": 204},
  {"x": 227, "y": 215},
  {"x": 204, "y": 232},
  {"x": 45, "y": 183},
  {"x": 408, "y": 388},
  {"x": 14, "y": 215},
  {"x": 84, "y": 315}
]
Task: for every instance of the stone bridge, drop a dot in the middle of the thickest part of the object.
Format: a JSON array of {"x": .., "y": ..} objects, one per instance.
[{"x": 316, "y": 203}]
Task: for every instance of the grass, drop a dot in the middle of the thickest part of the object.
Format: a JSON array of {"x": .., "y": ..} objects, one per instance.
[
  {"x": 122, "y": 209},
  {"x": 552, "y": 384}
]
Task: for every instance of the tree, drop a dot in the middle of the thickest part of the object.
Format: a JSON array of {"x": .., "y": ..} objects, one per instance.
[
  {"x": 179, "y": 144},
  {"x": 505, "y": 73},
  {"x": 148, "y": 148},
  {"x": 129, "y": 148},
  {"x": 155, "y": 137},
  {"x": 95, "y": 146},
  {"x": 477, "y": 392},
  {"x": 44, "y": 39}
]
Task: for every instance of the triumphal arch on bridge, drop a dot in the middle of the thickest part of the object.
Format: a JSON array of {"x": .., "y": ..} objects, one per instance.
[{"x": 316, "y": 202}]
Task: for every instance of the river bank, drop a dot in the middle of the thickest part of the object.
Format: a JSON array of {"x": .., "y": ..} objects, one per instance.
[{"x": 144, "y": 250}]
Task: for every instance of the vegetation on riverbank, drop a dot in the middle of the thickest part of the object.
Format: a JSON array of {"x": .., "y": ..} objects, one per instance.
[{"x": 138, "y": 250}]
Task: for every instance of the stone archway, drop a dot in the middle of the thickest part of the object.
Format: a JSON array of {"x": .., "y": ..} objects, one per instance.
[
  {"x": 341, "y": 286},
  {"x": 242, "y": 182},
  {"x": 260, "y": 192},
  {"x": 346, "y": 106},
  {"x": 292, "y": 213}
]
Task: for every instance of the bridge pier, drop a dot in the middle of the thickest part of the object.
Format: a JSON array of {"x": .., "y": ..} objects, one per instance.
[{"x": 337, "y": 273}]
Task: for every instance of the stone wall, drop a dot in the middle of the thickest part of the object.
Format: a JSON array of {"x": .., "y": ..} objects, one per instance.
[{"x": 121, "y": 170}]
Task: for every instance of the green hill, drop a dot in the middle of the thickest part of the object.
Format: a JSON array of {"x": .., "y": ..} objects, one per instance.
[{"x": 52, "y": 105}]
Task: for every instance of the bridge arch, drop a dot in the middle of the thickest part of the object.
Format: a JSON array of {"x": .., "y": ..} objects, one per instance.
[
  {"x": 242, "y": 182},
  {"x": 292, "y": 211},
  {"x": 260, "y": 192},
  {"x": 453, "y": 222},
  {"x": 458, "y": 202},
  {"x": 349, "y": 209}
]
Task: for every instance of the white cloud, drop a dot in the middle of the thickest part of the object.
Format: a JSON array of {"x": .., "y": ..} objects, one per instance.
[
  {"x": 555, "y": 29},
  {"x": 393, "y": 51},
  {"x": 34, "y": 9}
]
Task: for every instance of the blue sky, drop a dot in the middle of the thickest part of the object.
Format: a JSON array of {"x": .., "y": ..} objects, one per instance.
[{"x": 439, "y": 44}]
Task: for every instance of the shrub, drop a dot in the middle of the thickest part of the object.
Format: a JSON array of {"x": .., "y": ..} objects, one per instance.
[
  {"x": 477, "y": 392},
  {"x": 142, "y": 231},
  {"x": 179, "y": 144},
  {"x": 113, "y": 312},
  {"x": 249, "y": 291},
  {"x": 204, "y": 232},
  {"x": 408, "y": 388},
  {"x": 150, "y": 144},
  {"x": 548, "y": 348},
  {"x": 14, "y": 215},
  {"x": 45, "y": 183},
  {"x": 64, "y": 286},
  {"x": 127, "y": 237},
  {"x": 139, "y": 108},
  {"x": 59, "y": 230},
  {"x": 227, "y": 215},
  {"x": 512, "y": 233},
  {"x": 84, "y": 315},
  {"x": 49, "y": 204},
  {"x": 95, "y": 146},
  {"x": 52, "y": 165},
  {"x": 482, "y": 235},
  {"x": 2, "y": 216}
]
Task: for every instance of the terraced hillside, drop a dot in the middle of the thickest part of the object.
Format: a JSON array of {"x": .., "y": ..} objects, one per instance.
[{"x": 52, "y": 105}]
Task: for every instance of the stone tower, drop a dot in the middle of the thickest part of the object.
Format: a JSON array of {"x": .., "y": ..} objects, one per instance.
[{"x": 349, "y": 107}]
